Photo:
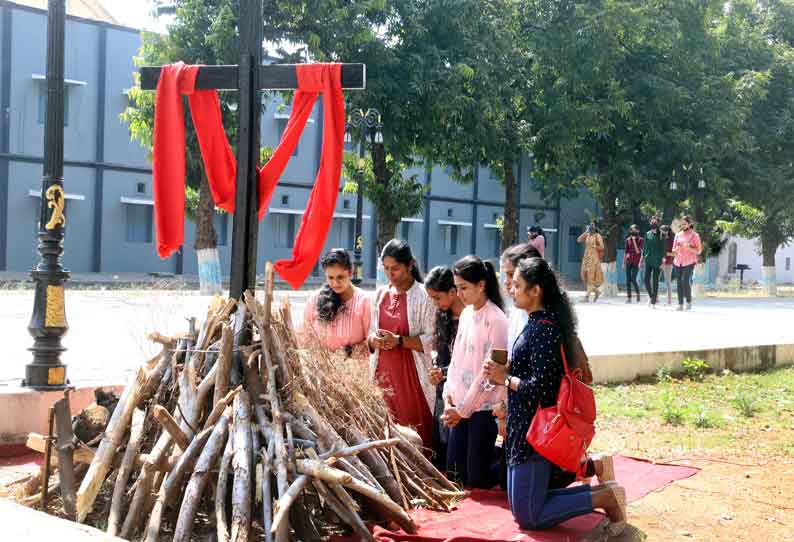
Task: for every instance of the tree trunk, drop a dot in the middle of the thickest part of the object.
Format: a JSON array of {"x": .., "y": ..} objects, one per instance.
[
  {"x": 387, "y": 224},
  {"x": 207, "y": 242},
  {"x": 770, "y": 240},
  {"x": 510, "y": 228}
]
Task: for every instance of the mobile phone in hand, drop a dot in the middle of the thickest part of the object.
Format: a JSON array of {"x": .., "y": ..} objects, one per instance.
[{"x": 499, "y": 355}]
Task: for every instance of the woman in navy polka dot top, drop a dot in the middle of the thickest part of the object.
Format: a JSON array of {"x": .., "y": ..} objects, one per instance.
[{"x": 534, "y": 378}]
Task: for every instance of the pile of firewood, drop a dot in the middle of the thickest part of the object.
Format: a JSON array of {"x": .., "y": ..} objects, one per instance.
[{"x": 237, "y": 429}]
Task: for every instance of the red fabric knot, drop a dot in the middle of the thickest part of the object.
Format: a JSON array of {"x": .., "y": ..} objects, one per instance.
[{"x": 221, "y": 167}]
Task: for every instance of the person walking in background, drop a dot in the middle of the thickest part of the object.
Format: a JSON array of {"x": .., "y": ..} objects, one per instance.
[
  {"x": 667, "y": 261},
  {"x": 631, "y": 261},
  {"x": 537, "y": 239},
  {"x": 440, "y": 286},
  {"x": 338, "y": 315},
  {"x": 401, "y": 341},
  {"x": 592, "y": 274},
  {"x": 686, "y": 249},
  {"x": 652, "y": 255},
  {"x": 468, "y": 397}
]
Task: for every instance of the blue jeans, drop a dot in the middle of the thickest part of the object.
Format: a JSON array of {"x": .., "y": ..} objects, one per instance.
[{"x": 533, "y": 505}]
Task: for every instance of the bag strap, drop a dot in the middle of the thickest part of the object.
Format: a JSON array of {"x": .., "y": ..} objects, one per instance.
[{"x": 562, "y": 347}]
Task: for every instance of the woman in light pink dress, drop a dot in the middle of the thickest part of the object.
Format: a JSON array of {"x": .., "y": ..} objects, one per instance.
[
  {"x": 338, "y": 314},
  {"x": 468, "y": 398}
]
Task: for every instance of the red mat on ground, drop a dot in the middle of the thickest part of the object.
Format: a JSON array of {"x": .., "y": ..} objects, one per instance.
[{"x": 485, "y": 516}]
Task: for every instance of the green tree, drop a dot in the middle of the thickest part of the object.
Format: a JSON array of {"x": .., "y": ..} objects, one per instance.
[
  {"x": 202, "y": 32},
  {"x": 758, "y": 41},
  {"x": 371, "y": 32},
  {"x": 624, "y": 94},
  {"x": 479, "y": 116}
]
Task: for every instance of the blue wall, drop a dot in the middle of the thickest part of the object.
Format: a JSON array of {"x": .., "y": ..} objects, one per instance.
[{"x": 104, "y": 166}]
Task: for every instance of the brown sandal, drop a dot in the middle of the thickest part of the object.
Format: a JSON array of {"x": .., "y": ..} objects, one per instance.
[
  {"x": 607, "y": 468},
  {"x": 617, "y": 525}
]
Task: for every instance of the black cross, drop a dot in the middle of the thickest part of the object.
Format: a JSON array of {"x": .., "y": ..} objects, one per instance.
[{"x": 248, "y": 78}]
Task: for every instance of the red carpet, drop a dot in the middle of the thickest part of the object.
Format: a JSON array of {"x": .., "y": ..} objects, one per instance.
[{"x": 485, "y": 516}]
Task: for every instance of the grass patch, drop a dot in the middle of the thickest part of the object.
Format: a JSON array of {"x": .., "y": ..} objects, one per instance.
[{"x": 749, "y": 411}]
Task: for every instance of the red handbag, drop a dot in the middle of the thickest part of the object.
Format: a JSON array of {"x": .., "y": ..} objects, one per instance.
[{"x": 563, "y": 432}]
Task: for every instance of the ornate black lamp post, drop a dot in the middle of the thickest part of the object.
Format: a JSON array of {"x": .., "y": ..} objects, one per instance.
[
  {"x": 48, "y": 323},
  {"x": 370, "y": 126}
]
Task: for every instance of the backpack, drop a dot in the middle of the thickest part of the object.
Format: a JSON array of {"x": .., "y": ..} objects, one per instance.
[
  {"x": 579, "y": 361},
  {"x": 563, "y": 432}
]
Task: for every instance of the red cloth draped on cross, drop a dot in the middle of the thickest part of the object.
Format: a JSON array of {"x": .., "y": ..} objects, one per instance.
[{"x": 221, "y": 166}]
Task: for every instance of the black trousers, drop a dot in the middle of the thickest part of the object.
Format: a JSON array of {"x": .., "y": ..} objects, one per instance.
[
  {"x": 652, "y": 281},
  {"x": 470, "y": 451},
  {"x": 631, "y": 279},
  {"x": 685, "y": 283}
]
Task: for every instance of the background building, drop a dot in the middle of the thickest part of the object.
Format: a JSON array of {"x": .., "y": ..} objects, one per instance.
[{"x": 108, "y": 180}]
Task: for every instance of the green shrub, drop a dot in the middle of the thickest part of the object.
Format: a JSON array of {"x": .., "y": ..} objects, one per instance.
[
  {"x": 672, "y": 412},
  {"x": 746, "y": 404},
  {"x": 695, "y": 369},
  {"x": 663, "y": 374},
  {"x": 704, "y": 420}
]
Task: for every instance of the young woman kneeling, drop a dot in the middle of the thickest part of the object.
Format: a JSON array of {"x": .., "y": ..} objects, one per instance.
[{"x": 535, "y": 374}]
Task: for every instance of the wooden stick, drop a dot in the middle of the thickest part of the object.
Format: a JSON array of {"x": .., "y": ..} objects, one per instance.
[
  {"x": 198, "y": 481},
  {"x": 143, "y": 485},
  {"x": 243, "y": 452},
  {"x": 127, "y": 464},
  {"x": 359, "y": 448},
  {"x": 156, "y": 514},
  {"x": 327, "y": 436},
  {"x": 346, "y": 514},
  {"x": 318, "y": 469},
  {"x": 155, "y": 375},
  {"x": 114, "y": 433},
  {"x": 170, "y": 425},
  {"x": 220, "y": 406},
  {"x": 267, "y": 495},
  {"x": 221, "y": 522},
  {"x": 284, "y": 502},
  {"x": 38, "y": 443},
  {"x": 282, "y": 484},
  {"x": 376, "y": 464},
  {"x": 224, "y": 362},
  {"x": 45, "y": 468},
  {"x": 65, "y": 446},
  {"x": 395, "y": 470},
  {"x": 183, "y": 467},
  {"x": 395, "y": 512},
  {"x": 421, "y": 461}
]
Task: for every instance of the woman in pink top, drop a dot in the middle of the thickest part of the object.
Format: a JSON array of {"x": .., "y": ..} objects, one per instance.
[
  {"x": 686, "y": 249},
  {"x": 338, "y": 315},
  {"x": 468, "y": 397}
]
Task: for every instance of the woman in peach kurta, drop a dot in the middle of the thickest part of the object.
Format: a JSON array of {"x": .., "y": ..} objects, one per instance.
[{"x": 339, "y": 314}]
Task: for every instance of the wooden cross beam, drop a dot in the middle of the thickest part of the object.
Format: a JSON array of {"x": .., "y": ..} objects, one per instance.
[
  {"x": 271, "y": 77},
  {"x": 247, "y": 78}
]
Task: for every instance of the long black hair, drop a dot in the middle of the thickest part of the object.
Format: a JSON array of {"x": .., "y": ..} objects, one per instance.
[
  {"x": 329, "y": 303},
  {"x": 401, "y": 251},
  {"x": 441, "y": 279},
  {"x": 522, "y": 251},
  {"x": 473, "y": 269},
  {"x": 537, "y": 271}
]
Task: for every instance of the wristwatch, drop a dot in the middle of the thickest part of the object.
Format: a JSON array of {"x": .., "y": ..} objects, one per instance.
[
  {"x": 400, "y": 340},
  {"x": 507, "y": 381}
]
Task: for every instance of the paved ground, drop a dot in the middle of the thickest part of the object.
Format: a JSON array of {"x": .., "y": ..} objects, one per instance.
[{"x": 108, "y": 328}]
